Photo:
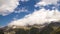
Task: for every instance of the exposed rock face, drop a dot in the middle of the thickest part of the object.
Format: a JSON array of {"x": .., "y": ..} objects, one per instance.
[{"x": 52, "y": 28}]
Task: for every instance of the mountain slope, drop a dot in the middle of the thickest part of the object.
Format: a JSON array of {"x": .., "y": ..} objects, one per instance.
[{"x": 52, "y": 28}]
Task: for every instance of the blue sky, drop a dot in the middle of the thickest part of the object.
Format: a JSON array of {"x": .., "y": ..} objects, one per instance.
[{"x": 25, "y": 7}]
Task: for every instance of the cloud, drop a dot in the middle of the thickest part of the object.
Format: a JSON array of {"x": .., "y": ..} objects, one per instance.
[
  {"x": 24, "y": 0},
  {"x": 41, "y": 16},
  {"x": 8, "y": 6},
  {"x": 21, "y": 10},
  {"x": 50, "y": 1},
  {"x": 46, "y": 2}
]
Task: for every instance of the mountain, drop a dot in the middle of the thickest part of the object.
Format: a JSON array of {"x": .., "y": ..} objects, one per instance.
[{"x": 52, "y": 28}]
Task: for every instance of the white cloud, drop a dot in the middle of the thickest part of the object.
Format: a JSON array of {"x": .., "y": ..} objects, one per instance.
[
  {"x": 50, "y": 1},
  {"x": 46, "y": 2},
  {"x": 24, "y": 0},
  {"x": 15, "y": 18},
  {"x": 38, "y": 17},
  {"x": 8, "y": 6},
  {"x": 21, "y": 10}
]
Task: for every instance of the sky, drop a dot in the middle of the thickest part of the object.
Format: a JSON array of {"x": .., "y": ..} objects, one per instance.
[{"x": 23, "y": 12}]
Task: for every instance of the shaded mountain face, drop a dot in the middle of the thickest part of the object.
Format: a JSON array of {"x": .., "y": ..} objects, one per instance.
[
  {"x": 52, "y": 28},
  {"x": 1, "y": 31}
]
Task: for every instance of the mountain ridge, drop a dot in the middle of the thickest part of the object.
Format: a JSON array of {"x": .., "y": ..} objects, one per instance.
[{"x": 53, "y": 27}]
